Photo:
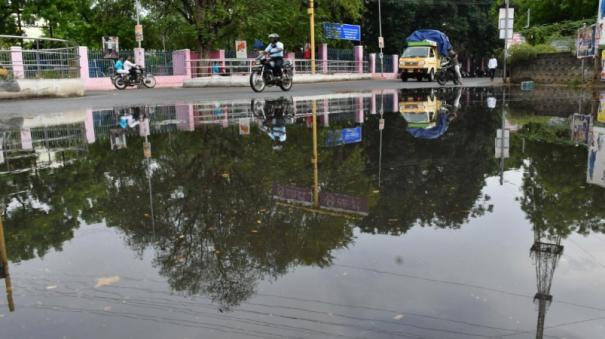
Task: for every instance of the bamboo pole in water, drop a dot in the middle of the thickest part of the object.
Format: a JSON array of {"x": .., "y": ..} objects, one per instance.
[{"x": 4, "y": 263}]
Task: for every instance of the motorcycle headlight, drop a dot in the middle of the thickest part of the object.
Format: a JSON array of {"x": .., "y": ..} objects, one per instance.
[{"x": 257, "y": 62}]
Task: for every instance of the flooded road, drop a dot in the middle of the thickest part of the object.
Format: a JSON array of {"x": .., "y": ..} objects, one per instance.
[{"x": 458, "y": 213}]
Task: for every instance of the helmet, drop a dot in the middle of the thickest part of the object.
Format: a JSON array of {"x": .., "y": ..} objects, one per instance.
[{"x": 274, "y": 36}]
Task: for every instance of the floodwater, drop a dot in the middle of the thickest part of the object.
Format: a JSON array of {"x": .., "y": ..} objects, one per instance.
[{"x": 391, "y": 214}]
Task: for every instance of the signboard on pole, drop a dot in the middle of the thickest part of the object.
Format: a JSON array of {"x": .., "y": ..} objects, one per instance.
[
  {"x": 502, "y": 144},
  {"x": 601, "y": 23},
  {"x": 241, "y": 49},
  {"x": 138, "y": 33},
  {"x": 595, "y": 173},
  {"x": 586, "y": 42},
  {"x": 580, "y": 128},
  {"x": 111, "y": 47},
  {"x": 344, "y": 136},
  {"x": 506, "y": 28},
  {"x": 380, "y": 42},
  {"x": 342, "y": 31}
]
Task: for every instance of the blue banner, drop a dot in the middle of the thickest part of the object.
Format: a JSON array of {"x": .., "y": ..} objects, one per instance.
[
  {"x": 342, "y": 31},
  {"x": 344, "y": 136}
]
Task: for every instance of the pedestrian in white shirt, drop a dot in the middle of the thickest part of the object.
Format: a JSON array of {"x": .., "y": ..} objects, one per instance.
[{"x": 492, "y": 64}]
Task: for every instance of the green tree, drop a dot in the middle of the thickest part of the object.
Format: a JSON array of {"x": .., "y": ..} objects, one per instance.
[{"x": 554, "y": 11}]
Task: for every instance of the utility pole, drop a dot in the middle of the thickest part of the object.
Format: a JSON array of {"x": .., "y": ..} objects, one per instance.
[
  {"x": 311, "y": 12},
  {"x": 137, "y": 6},
  {"x": 4, "y": 269},
  {"x": 380, "y": 39},
  {"x": 507, "y": 2}
]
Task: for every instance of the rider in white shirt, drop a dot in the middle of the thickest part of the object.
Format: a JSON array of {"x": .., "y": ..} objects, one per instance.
[
  {"x": 492, "y": 64},
  {"x": 276, "y": 50}
]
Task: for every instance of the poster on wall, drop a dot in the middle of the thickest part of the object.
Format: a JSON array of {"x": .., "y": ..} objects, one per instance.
[
  {"x": 580, "y": 128},
  {"x": 241, "y": 49},
  {"x": 601, "y": 23},
  {"x": 595, "y": 173},
  {"x": 601, "y": 111},
  {"x": 585, "y": 42},
  {"x": 111, "y": 47}
]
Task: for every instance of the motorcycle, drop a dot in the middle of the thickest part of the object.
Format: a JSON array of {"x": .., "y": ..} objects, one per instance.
[
  {"x": 263, "y": 75},
  {"x": 141, "y": 78},
  {"x": 447, "y": 73}
]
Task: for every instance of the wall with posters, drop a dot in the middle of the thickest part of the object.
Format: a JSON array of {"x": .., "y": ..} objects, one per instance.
[
  {"x": 558, "y": 68},
  {"x": 595, "y": 173}
]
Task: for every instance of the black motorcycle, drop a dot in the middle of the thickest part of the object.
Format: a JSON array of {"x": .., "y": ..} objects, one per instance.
[
  {"x": 263, "y": 75},
  {"x": 447, "y": 73},
  {"x": 139, "y": 79}
]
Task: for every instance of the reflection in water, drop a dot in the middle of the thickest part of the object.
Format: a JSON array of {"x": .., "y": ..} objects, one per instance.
[
  {"x": 220, "y": 212},
  {"x": 4, "y": 272}
]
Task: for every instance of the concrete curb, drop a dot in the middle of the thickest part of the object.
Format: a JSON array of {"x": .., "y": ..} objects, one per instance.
[
  {"x": 243, "y": 81},
  {"x": 43, "y": 88}
]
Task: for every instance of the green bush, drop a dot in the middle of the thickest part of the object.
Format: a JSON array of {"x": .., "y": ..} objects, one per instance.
[
  {"x": 526, "y": 52},
  {"x": 545, "y": 33}
]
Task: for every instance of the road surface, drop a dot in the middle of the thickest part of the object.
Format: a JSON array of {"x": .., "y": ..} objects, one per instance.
[{"x": 135, "y": 97}]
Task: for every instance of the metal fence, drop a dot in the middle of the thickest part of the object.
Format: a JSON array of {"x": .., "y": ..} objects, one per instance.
[
  {"x": 341, "y": 54},
  {"x": 42, "y": 58},
  {"x": 159, "y": 62},
  {"x": 99, "y": 67},
  {"x": 55, "y": 63},
  {"x": 229, "y": 67}
]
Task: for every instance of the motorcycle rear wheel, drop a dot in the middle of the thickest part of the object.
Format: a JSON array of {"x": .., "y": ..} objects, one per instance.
[
  {"x": 257, "y": 82},
  {"x": 286, "y": 82},
  {"x": 149, "y": 81}
]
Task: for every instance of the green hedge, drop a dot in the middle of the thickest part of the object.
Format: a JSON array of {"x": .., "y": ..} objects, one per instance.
[{"x": 527, "y": 52}]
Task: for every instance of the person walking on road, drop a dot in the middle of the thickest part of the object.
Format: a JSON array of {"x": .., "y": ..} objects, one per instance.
[{"x": 492, "y": 64}]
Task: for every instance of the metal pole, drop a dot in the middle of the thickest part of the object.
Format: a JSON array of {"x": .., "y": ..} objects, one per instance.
[
  {"x": 311, "y": 12},
  {"x": 315, "y": 159},
  {"x": 137, "y": 5},
  {"x": 380, "y": 33},
  {"x": 505, "y": 40},
  {"x": 503, "y": 135}
]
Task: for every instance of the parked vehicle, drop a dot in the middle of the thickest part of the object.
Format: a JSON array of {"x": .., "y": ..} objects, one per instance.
[
  {"x": 141, "y": 78},
  {"x": 447, "y": 73},
  {"x": 419, "y": 61},
  {"x": 423, "y": 57},
  {"x": 263, "y": 75}
]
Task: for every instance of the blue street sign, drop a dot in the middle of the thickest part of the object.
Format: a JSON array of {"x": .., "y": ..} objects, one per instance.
[
  {"x": 344, "y": 136},
  {"x": 342, "y": 31}
]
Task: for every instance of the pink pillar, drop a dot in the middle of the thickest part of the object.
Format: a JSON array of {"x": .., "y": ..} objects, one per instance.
[
  {"x": 292, "y": 57},
  {"x": 184, "y": 114},
  {"x": 395, "y": 101},
  {"x": 326, "y": 115},
  {"x": 89, "y": 126},
  {"x": 83, "y": 52},
  {"x": 323, "y": 54},
  {"x": 139, "y": 56},
  {"x": 26, "y": 139},
  {"x": 373, "y": 109},
  {"x": 360, "y": 116},
  {"x": 358, "y": 51},
  {"x": 180, "y": 63},
  {"x": 395, "y": 64},
  {"x": 373, "y": 63},
  {"x": 17, "y": 62}
]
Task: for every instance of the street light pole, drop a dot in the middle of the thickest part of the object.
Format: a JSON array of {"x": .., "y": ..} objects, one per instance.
[
  {"x": 380, "y": 38},
  {"x": 137, "y": 6},
  {"x": 507, "y": 2},
  {"x": 311, "y": 12}
]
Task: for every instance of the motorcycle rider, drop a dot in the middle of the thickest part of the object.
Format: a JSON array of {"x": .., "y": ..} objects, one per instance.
[
  {"x": 456, "y": 64},
  {"x": 130, "y": 68},
  {"x": 276, "y": 50}
]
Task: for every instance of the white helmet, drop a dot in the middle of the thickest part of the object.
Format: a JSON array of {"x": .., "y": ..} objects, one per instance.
[{"x": 274, "y": 36}]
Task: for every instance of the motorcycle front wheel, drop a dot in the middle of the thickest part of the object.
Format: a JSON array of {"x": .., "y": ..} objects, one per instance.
[
  {"x": 149, "y": 81},
  {"x": 286, "y": 82},
  {"x": 120, "y": 83},
  {"x": 257, "y": 82},
  {"x": 442, "y": 78}
]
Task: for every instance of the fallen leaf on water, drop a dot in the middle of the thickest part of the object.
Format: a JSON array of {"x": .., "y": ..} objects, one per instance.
[
  {"x": 398, "y": 317},
  {"x": 107, "y": 308},
  {"x": 376, "y": 191},
  {"x": 146, "y": 215},
  {"x": 51, "y": 287},
  {"x": 258, "y": 221},
  {"x": 106, "y": 281},
  {"x": 254, "y": 231}
]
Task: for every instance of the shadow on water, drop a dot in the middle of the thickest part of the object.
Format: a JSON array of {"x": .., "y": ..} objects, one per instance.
[{"x": 231, "y": 193}]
